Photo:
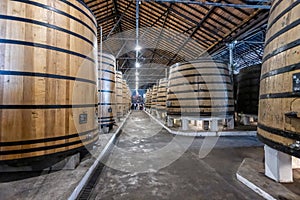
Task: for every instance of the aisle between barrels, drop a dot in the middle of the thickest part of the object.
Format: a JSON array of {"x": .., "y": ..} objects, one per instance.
[{"x": 138, "y": 167}]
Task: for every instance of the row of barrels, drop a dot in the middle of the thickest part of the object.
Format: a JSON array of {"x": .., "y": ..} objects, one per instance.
[
  {"x": 246, "y": 89},
  {"x": 204, "y": 88},
  {"x": 48, "y": 81},
  {"x": 49, "y": 103},
  {"x": 200, "y": 88},
  {"x": 114, "y": 93},
  {"x": 156, "y": 96}
]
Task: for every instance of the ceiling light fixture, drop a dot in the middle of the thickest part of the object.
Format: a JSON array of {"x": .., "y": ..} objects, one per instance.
[{"x": 138, "y": 48}]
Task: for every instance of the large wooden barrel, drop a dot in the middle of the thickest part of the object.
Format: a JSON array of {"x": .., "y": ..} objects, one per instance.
[
  {"x": 128, "y": 98},
  {"x": 200, "y": 88},
  {"x": 47, "y": 80},
  {"x": 119, "y": 93},
  {"x": 148, "y": 98},
  {"x": 235, "y": 83},
  {"x": 279, "y": 103},
  {"x": 124, "y": 96},
  {"x": 162, "y": 95},
  {"x": 248, "y": 90},
  {"x": 107, "y": 90},
  {"x": 154, "y": 97}
]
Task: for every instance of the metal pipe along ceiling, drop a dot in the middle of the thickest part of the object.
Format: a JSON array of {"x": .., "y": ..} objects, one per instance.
[{"x": 217, "y": 4}]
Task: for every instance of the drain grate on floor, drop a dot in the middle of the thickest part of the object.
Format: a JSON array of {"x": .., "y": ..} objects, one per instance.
[{"x": 87, "y": 190}]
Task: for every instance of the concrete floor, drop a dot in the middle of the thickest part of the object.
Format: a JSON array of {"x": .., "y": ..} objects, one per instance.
[
  {"x": 49, "y": 184},
  {"x": 143, "y": 166},
  {"x": 149, "y": 163}
]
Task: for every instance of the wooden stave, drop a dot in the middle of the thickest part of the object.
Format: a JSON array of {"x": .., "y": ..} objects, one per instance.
[
  {"x": 107, "y": 92},
  {"x": 35, "y": 111},
  {"x": 182, "y": 83},
  {"x": 248, "y": 90},
  {"x": 280, "y": 62}
]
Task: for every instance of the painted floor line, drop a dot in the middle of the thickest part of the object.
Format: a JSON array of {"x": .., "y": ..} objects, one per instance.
[{"x": 253, "y": 187}]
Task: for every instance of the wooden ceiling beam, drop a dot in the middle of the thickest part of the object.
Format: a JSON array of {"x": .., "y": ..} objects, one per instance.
[
  {"x": 260, "y": 19},
  {"x": 118, "y": 23},
  {"x": 217, "y": 14},
  {"x": 100, "y": 21},
  {"x": 239, "y": 9},
  {"x": 214, "y": 20},
  {"x": 118, "y": 13},
  {"x": 231, "y": 14},
  {"x": 100, "y": 4},
  {"x": 193, "y": 33},
  {"x": 154, "y": 23},
  {"x": 216, "y": 4},
  {"x": 162, "y": 29},
  {"x": 100, "y": 11}
]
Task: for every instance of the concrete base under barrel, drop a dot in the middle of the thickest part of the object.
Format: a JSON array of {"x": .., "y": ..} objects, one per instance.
[
  {"x": 66, "y": 160},
  {"x": 279, "y": 166},
  {"x": 246, "y": 119},
  {"x": 202, "y": 123},
  {"x": 68, "y": 163},
  {"x": 161, "y": 115},
  {"x": 252, "y": 173}
]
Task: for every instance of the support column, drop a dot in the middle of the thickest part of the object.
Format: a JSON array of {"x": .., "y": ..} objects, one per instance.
[
  {"x": 170, "y": 122},
  {"x": 205, "y": 125},
  {"x": 195, "y": 122},
  {"x": 158, "y": 115},
  {"x": 185, "y": 124},
  {"x": 278, "y": 165},
  {"x": 245, "y": 120},
  {"x": 295, "y": 163},
  {"x": 214, "y": 125},
  {"x": 230, "y": 123},
  {"x": 105, "y": 129}
]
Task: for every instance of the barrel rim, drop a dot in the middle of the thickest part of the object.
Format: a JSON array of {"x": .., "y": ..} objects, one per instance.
[
  {"x": 94, "y": 21},
  {"x": 35, "y": 160},
  {"x": 250, "y": 68},
  {"x": 202, "y": 114},
  {"x": 47, "y": 25},
  {"x": 107, "y": 55},
  {"x": 47, "y": 139},
  {"x": 196, "y": 61},
  {"x": 87, "y": 7},
  {"x": 49, "y": 147},
  {"x": 162, "y": 80},
  {"x": 278, "y": 146},
  {"x": 119, "y": 72},
  {"x": 54, "y": 9}
]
